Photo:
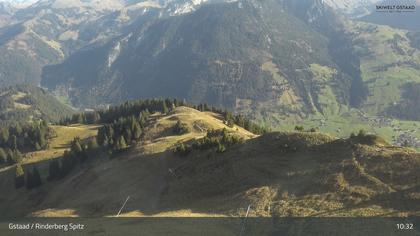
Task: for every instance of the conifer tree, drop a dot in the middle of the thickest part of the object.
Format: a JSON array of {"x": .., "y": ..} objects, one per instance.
[
  {"x": 10, "y": 156},
  {"x": 14, "y": 142},
  {"x": 137, "y": 132},
  {"x": 121, "y": 144},
  {"x": 128, "y": 135},
  {"x": 221, "y": 148},
  {"x": 76, "y": 146},
  {"x": 92, "y": 144},
  {"x": 29, "y": 180},
  {"x": 17, "y": 156},
  {"x": 361, "y": 134},
  {"x": 165, "y": 109},
  {"x": 3, "y": 156},
  {"x": 37, "y": 146},
  {"x": 67, "y": 163},
  {"x": 4, "y": 135},
  {"x": 299, "y": 128},
  {"x": 54, "y": 170},
  {"x": 18, "y": 129},
  {"x": 36, "y": 178},
  {"x": 19, "y": 177}
]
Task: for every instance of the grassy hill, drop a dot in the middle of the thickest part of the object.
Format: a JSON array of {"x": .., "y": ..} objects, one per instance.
[
  {"x": 23, "y": 103},
  {"x": 278, "y": 174},
  {"x": 61, "y": 142}
]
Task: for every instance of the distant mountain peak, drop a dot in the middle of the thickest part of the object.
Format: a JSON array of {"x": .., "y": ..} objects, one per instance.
[
  {"x": 19, "y": 3},
  {"x": 354, "y": 8}
]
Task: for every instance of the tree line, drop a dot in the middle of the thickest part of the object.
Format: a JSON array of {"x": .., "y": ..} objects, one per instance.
[
  {"x": 31, "y": 180},
  {"x": 218, "y": 140},
  {"x": 80, "y": 151},
  {"x": 134, "y": 108},
  {"x": 123, "y": 132},
  {"x": 123, "y": 126},
  {"x": 19, "y": 138}
]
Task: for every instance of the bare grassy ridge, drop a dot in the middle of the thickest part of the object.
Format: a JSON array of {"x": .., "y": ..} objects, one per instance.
[{"x": 278, "y": 174}]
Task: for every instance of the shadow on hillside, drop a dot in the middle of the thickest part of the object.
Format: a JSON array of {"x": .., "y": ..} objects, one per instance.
[{"x": 204, "y": 182}]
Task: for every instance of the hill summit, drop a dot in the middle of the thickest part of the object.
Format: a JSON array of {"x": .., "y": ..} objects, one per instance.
[{"x": 276, "y": 174}]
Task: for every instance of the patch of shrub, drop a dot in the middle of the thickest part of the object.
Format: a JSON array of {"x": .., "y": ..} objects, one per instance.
[{"x": 181, "y": 128}]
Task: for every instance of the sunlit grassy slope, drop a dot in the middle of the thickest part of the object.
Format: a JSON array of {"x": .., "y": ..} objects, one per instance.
[
  {"x": 277, "y": 174},
  {"x": 61, "y": 142}
]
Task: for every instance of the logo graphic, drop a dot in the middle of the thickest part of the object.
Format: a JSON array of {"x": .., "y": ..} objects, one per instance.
[{"x": 396, "y": 6}]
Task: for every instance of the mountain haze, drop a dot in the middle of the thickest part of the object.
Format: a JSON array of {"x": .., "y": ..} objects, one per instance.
[
  {"x": 25, "y": 103},
  {"x": 237, "y": 55}
]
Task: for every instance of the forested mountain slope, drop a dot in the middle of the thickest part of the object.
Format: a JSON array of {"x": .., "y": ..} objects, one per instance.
[
  {"x": 23, "y": 103},
  {"x": 241, "y": 55}
]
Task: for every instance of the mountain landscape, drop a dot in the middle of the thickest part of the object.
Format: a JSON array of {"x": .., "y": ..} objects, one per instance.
[
  {"x": 208, "y": 108},
  {"x": 397, "y": 19},
  {"x": 25, "y": 103},
  {"x": 336, "y": 70},
  {"x": 283, "y": 174},
  {"x": 353, "y": 8},
  {"x": 223, "y": 60}
]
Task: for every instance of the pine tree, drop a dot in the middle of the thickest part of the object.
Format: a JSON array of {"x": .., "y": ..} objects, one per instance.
[
  {"x": 181, "y": 150},
  {"x": 137, "y": 132},
  {"x": 37, "y": 146},
  {"x": 128, "y": 135},
  {"x": 3, "y": 156},
  {"x": 42, "y": 141},
  {"x": 10, "y": 156},
  {"x": 54, "y": 170},
  {"x": 92, "y": 144},
  {"x": 230, "y": 123},
  {"x": 19, "y": 177},
  {"x": 37, "y": 181},
  {"x": 17, "y": 156},
  {"x": 221, "y": 148},
  {"x": 299, "y": 128},
  {"x": 96, "y": 118},
  {"x": 29, "y": 180},
  {"x": 14, "y": 142},
  {"x": 4, "y": 135},
  {"x": 121, "y": 144},
  {"x": 165, "y": 109},
  {"x": 78, "y": 118},
  {"x": 180, "y": 128},
  {"x": 67, "y": 163},
  {"x": 102, "y": 137},
  {"x": 76, "y": 146},
  {"x": 18, "y": 129},
  {"x": 362, "y": 133}
]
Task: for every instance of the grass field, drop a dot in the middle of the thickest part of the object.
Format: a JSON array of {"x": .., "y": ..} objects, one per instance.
[
  {"x": 351, "y": 122},
  {"x": 280, "y": 174},
  {"x": 387, "y": 63},
  {"x": 159, "y": 136},
  {"x": 60, "y": 143}
]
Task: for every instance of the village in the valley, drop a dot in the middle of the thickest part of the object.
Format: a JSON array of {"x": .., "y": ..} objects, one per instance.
[{"x": 407, "y": 137}]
